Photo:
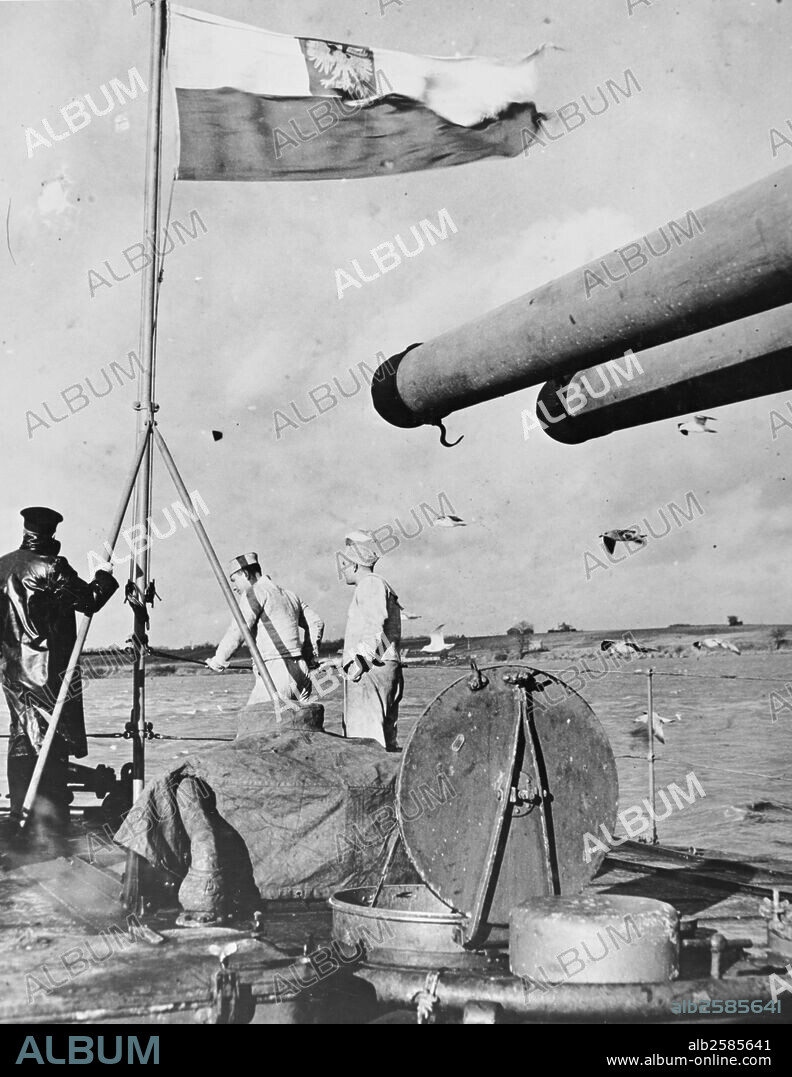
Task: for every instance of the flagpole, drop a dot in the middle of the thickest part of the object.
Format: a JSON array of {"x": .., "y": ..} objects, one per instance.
[{"x": 146, "y": 408}]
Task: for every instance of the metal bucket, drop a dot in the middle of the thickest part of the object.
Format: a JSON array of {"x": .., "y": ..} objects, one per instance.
[{"x": 409, "y": 926}]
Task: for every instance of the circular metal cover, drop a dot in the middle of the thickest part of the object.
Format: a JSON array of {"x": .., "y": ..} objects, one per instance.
[
  {"x": 595, "y": 938},
  {"x": 498, "y": 788}
]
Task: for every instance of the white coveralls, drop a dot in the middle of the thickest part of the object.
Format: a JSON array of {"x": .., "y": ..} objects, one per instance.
[
  {"x": 373, "y": 634},
  {"x": 281, "y": 615}
]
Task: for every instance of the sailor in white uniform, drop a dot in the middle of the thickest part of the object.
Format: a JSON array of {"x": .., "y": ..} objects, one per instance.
[
  {"x": 290, "y": 632},
  {"x": 371, "y": 660}
]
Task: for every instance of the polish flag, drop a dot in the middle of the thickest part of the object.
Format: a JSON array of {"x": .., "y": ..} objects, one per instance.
[{"x": 254, "y": 105}]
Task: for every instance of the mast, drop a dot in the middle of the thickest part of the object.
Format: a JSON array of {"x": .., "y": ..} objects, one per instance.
[
  {"x": 146, "y": 408},
  {"x": 141, "y": 478}
]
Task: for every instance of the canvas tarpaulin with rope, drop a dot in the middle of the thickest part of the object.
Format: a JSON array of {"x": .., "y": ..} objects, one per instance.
[{"x": 313, "y": 813}]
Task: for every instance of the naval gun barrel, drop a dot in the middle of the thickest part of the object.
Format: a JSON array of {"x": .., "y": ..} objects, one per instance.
[
  {"x": 729, "y": 260},
  {"x": 737, "y": 361}
]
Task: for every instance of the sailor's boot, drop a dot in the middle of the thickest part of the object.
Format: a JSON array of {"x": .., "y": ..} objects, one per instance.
[
  {"x": 19, "y": 772},
  {"x": 50, "y": 817}
]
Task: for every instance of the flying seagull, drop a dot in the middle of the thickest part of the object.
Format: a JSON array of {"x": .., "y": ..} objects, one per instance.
[
  {"x": 622, "y": 534},
  {"x": 448, "y": 520},
  {"x": 410, "y": 616},
  {"x": 624, "y": 647},
  {"x": 713, "y": 643},
  {"x": 698, "y": 425},
  {"x": 437, "y": 643},
  {"x": 657, "y": 724}
]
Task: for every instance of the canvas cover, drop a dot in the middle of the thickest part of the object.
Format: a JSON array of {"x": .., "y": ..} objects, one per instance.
[{"x": 313, "y": 813}]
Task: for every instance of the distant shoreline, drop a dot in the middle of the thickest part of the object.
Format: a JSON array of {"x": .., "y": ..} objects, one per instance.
[{"x": 671, "y": 642}]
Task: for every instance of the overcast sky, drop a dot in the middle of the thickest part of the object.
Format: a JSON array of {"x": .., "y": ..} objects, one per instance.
[{"x": 250, "y": 321}]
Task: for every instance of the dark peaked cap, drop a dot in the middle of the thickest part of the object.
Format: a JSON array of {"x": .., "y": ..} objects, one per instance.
[{"x": 41, "y": 521}]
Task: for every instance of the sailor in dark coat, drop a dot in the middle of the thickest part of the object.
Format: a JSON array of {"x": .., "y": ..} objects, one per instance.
[{"x": 39, "y": 594}]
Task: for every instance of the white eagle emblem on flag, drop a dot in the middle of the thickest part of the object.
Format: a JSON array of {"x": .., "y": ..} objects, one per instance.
[{"x": 349, "y": 68}]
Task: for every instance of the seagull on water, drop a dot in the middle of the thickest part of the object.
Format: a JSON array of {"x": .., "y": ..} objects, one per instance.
[
  {"x": 658, "y": 721},
  {"x": 714, "y": 643},
  {"x": 622, "y": 534},
  {"x": 624, "y": 647},
  {"x": 698, "y": 425},
  {"x": 437, "y": 643}
]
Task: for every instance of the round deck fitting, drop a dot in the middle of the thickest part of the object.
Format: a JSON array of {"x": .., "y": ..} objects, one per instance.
[
  {"x": 503, "y": 776},
  {"x": 597, "y": 939},
  {"x": 408, "y": 927}
]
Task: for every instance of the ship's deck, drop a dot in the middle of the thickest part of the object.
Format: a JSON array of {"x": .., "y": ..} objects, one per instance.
[{"x": 67, "y": 955}]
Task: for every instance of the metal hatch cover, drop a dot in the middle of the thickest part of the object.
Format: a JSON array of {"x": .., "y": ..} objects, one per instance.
[{"x": 504, "y": 774}]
